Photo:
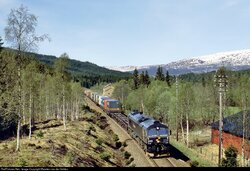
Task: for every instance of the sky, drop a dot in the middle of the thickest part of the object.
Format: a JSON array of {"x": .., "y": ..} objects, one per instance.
[{"x": 136, "y": 32}]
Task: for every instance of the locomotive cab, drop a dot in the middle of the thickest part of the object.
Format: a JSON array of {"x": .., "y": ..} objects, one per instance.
[{"x": 158, "y": 139}]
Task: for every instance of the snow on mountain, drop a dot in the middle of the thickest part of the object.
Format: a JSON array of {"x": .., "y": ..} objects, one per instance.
[{"x": 234, "y": 60}]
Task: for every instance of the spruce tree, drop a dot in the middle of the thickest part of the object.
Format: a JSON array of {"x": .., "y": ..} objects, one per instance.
[
  {"x": 142, "y": 78},
  {"x": 136, "y": 79},
  {"x": 159, "y": 74},
  {"x": 147, "y": 80},
  {"x": 168, "y": 80}
]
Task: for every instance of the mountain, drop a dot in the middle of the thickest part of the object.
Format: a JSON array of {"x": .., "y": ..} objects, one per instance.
[
  {"x": 233, "y": 60},
  {"x": 87, "y": 73},
  {"x": 85, "y": 68}
]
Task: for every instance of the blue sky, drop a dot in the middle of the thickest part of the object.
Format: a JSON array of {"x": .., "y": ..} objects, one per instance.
[{"x": 137, "y": 32}]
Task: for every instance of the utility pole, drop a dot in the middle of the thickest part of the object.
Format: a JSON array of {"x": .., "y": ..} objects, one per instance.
[
  {"x": 221, "y": 82},
  {"x": 176, "y": 107}
]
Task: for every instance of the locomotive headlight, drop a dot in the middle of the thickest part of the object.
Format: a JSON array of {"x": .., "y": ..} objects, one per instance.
[{"x": 158, "y": 139}]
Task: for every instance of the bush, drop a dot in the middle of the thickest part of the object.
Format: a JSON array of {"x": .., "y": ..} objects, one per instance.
[
  {"x": 99, "y": 148},
  {"x": 118, "y": 144},
  {"x": 194, "y": 163},
  {"x": 92, "y": 128},
  {"x": 122, "y": 149},
  {"x": 40, "y": 134},
  {"x": 85, "y": 107},
  {"x": 124, "y": 144},
  {"x": 231, "y": 157},
  {"x": 127, "y": 155},
  {"x": 130, "y": 161},
  {"x": 99, "y": 141},
  {"x": 105, "y": 156},
  {"x": 21, "y": 162},
  {"x": 115, "y": 137}
]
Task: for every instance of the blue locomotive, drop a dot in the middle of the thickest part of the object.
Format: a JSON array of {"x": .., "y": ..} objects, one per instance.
[{"x": 151, "y": 135}]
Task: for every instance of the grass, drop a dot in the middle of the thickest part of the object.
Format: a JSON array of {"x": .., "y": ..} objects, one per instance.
[
  {"x": 231, "y": 110},
  {"x": 192, "y": 154},
  {"x": 50, "y": 146}
]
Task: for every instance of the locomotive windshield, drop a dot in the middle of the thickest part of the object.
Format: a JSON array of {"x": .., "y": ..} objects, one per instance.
[
  {"x": 155, "y": 132},
  {"x": 114, "y": 104},
  {"x": 163, "y": 131},
  {"x": 152, "y": 132}
]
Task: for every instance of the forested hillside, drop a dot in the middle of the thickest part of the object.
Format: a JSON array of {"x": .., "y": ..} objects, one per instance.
[
  {"x": 46, "y": 92},
  {"x": 88, "y": 74}
]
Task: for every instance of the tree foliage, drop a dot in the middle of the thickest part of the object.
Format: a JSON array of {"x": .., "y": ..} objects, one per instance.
[
  {"x": 159, "y": 74},
  {"x": 168, "y": 79},
  {"x": 135, "y": 79},
  {"x": 231, "y": 157}
]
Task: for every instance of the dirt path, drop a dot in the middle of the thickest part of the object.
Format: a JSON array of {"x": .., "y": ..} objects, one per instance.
[{"x": 140, "y": 159}]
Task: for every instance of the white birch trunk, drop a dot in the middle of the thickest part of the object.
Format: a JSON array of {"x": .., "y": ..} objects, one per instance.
[
  {"x": 30, "y": 118},
  {"x": 64, "y": 112}
]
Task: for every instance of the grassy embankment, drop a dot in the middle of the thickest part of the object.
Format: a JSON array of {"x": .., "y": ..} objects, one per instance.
[{"x": 86, "y": 143}]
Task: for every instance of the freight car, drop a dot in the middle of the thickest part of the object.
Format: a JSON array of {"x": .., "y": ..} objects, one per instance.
[
  {"x": 108, "y": 104},
  {"x": 151, "y": 135}
]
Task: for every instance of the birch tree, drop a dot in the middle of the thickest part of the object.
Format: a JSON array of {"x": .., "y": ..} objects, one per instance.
[
  {"x": 60, "y": 68},
  {"x": 20, "y": 33},
  {"x": 186, "y": 103}
]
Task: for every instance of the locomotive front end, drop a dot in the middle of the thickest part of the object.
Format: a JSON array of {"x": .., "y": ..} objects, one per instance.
[{"x": 158, "y": 141}]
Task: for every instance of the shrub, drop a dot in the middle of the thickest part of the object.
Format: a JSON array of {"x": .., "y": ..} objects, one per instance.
[
  {"x": 127, "y": 155},
  {"x": 21, "y": 162},
  {"x": 99, "y": 141},
  {"x": 92, "y": 128},
  {"x": 115, "y": 137},
  {"x": 118, "y": 144},
  {"x": 124, "y": 144},
  {"x": 85, "y": 107},
  {"x": 40, "y": 134},
  {"x": 99, "y": 148},
  {"x": 122, "y": 149},
  {"x": 194, "y": 163},
  {"x": 130, "y": 161},
  {"x": 105, "y": 156},
  {"x": 231, "y": 157}
]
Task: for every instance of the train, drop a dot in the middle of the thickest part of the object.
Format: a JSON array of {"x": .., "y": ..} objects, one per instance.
[
  {"x": 109, "y": 105},
  {"x": 152, "y": 135}
]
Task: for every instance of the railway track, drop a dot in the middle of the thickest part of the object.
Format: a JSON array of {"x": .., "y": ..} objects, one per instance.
[
  {"x": 122, "y": 120},
  {"x": 163, "y": 162}
]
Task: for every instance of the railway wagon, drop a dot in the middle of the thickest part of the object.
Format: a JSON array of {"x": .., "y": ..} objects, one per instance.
[
  {"x": 151, "y": 135},
  {"x": 112, "y": 106},
  {"x": 96, "y": 98},
  {"x": 93, "y": 94},
  {"x": 101, "y": 100}
]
